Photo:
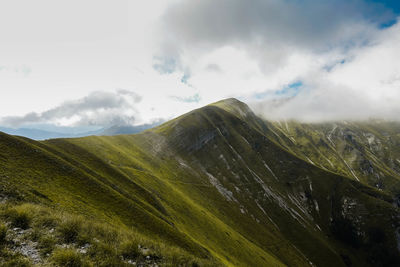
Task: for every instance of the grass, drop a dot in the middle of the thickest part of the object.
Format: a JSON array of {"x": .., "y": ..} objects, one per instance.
[
  {"x": 3, "y": 234},
  {"x": 19, "y": 217},
  {"x": 367, "y": 151},
  {"x": 68, "y": 258},
  {"x": 72, "y": 240},
  {"x": 70, "y": 229}
]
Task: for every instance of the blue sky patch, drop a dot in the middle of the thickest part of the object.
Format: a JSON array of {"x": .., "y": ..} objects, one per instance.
[
  {"x": 185, "y": 78},
  {"x": 387, "y": 24},
  {"x": 328, "y": 68},
  {"x": 393, "y": 5},
  {"x": 190, "y": 99},
  {"x": 165, "y": 65},
  {"x": 290, "y": 90}
]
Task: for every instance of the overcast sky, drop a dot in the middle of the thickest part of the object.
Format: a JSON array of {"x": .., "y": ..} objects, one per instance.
[{"x": 98, "y": 62}]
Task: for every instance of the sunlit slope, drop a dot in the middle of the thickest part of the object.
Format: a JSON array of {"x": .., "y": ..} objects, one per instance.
[
  {"x": 40, "y": 174},
  {"x": 236, "y": 192},
  {"x": 216, "y": 183}
]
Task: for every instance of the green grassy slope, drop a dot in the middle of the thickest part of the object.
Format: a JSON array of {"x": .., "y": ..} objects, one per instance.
[
  {"x": 37, "y": 173},
  {"x": 214, "y": 184}
]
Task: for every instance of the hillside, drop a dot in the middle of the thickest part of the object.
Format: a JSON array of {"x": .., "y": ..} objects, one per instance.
[
  {"x": 216, "y": 186},
  {"x": 365, "y": 151}
]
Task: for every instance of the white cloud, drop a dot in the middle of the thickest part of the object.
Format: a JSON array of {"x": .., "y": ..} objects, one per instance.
[
  {"x": 348, "y": 65},
  {"x": 215, "y": 50},
  {"x": 97, "y": 109},
  {"x": 365, "y": 86}
]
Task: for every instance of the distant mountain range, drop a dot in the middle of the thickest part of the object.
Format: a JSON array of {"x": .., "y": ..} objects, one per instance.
[
  {"x": 71, "y": 132},
  {"x": 218, "y": 186},
  {"x": 127, "y": 129}
]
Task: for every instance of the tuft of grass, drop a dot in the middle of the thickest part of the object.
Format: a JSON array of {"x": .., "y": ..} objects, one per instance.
[
  {"x": 68, "y": 258},
  {"x": 20, "y": 217},
  {"x": 3, "y": 234},
  {"x": 46, "y": 244},
  {"x": 130, "y": 250},
  {"x": 70, "y": 228},
  {"x": 46, "y": 220},
  {"x": 17, "y": 262}
]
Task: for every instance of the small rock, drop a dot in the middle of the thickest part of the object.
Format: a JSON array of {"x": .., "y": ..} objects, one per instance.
[
  {"x": 28, "y": 249},
  {"x": 84, "y": 248},
  {"x": 132, "y": 262}
]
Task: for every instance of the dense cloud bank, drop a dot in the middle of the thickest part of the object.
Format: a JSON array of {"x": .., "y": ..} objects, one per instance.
[
  {"x": 97, "y": 109},
  {"x": 347, "y": 63}
]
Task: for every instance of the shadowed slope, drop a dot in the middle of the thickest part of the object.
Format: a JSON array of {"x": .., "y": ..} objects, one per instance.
[{"x": 364, "y": 151}]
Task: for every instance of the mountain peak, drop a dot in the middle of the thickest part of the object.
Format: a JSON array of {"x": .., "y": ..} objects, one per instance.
[{"x": 234, "y": 106}]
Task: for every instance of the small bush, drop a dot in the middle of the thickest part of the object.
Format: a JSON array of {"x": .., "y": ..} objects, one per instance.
[
  {"x": 3, "y": 234},
  {"x": 68, "y": 258},
  {"x": 70, "y": 229}
]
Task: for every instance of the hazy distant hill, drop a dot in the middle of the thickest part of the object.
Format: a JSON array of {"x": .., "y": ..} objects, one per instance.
[
  {"x": 128, "y": 129},
  {"x": 35, "y": 134},
  {"x": 39, "y": 134},
  {"x": 216, "y": 186},
  {"x": 72, "y": 132}
]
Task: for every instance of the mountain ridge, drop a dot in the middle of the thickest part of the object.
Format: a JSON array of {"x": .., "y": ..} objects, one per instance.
[{"x": 216, "y": 184}]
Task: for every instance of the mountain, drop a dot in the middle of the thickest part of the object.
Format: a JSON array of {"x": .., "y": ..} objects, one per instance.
[
  {"x": 41, "y": 134},
  {"x": 44, "y": 132},
  {"x": 218, "y": 186},
  {"x": 128, "y": 129},
  {"x": 35, "y": 134},
  {"x": 364, "y": 151}
]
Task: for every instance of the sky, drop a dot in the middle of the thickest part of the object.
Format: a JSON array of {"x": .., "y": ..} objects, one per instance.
[{"x": 103, "y": 63}]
